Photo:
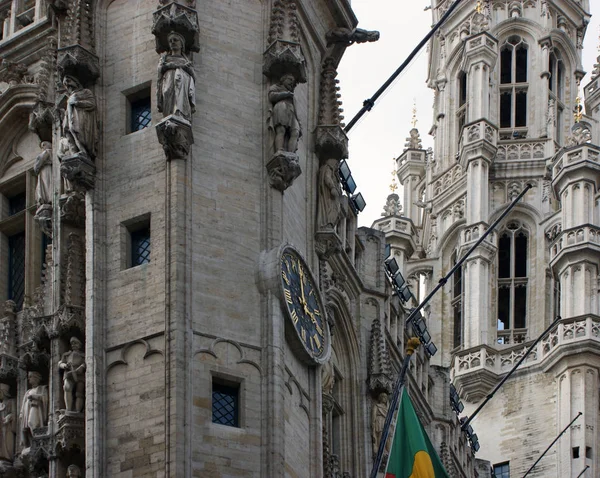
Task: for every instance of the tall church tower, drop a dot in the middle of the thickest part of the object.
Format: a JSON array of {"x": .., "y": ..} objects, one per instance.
[{"x": 506, "y": 77}]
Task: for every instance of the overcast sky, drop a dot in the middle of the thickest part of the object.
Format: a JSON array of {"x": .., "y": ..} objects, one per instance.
[{"x": 380, "y": 135}]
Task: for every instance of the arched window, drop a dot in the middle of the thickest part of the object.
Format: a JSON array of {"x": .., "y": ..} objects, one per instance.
[
  {"x": 556, "y": 85},
  {"x": 457, "y": 303},
  {"x": 513, "y": 83},
  {"x": 512, "y": 283}
]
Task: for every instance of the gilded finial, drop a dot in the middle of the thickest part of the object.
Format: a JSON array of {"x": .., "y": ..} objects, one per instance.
[
  {"x": 394, "y": 185},
  {"x": 479, "y": 6},
  {"x": 414, "y": 120}
]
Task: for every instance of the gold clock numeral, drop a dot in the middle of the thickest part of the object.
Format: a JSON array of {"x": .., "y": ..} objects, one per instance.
[
  {"x": 317, "y": 341},
  {"x": 285, "y": 278},
  {"x": 288, "y": 295},
  {"x": 294, "y": 317},
  {"x": 319, "y": 329},
  {"x": 312, "y": 345},
  {"x": 303, "y": 333}
]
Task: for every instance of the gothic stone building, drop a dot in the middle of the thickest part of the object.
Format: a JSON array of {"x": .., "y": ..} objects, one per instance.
[
  {"x": 186, "y": 289},
  {"x": 507, "y": 113}
]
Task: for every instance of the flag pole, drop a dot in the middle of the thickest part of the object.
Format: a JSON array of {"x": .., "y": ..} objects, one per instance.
[{"x": 411, "y": 346}]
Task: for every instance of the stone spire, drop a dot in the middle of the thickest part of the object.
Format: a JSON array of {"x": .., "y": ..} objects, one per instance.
[{"x": 380, "y": 369}]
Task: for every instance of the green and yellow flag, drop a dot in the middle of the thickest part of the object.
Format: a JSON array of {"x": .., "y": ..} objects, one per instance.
[{"x": 412, "y": 454}]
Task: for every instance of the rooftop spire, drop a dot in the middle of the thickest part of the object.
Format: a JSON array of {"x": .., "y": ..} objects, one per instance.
[
  {"x": 414, "y": 120},
  {"x": 394, "y": 185}
]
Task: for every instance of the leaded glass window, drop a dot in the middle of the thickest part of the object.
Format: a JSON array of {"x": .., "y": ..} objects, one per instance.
[
  {"x": 141, "y": 114},
  {"x": 16, "y": 269},
  {"x": 514, "y": 83},
  {"x": 140, "y": 247},
  {"x": 225, "y": 405},
  {"x": 502, "y": 470}
]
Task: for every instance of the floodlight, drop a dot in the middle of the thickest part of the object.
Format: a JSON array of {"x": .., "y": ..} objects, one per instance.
[
  {"x": 419, "y": 327},
  {"x": 392, "y": 266},
  {"x": 358, "y": 202},
  {"x": 474, "y": 442},
  {"x": 346, "y": 178},
  {"x": 398, "y": 280},
  {"x": 405, "y": 294},
  {"x": 430, "y": 350},
  {"x": 425, "y": 337}
]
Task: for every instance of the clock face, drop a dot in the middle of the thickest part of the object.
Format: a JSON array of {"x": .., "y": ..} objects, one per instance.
[{"x": 304, "y": 306}]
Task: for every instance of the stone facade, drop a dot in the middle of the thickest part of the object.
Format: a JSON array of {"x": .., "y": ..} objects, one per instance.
[
  {"x": 155, "y": 159},
  {"x": 506, "y": 78}
]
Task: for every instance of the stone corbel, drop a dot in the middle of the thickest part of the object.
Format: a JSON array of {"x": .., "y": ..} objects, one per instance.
[
  {"x": 283, "y": 169},
  {"x": 176, "y": 137},
  {"x": 72, "y": 209},
  {"x": 327, "y": 243},
  {"x": 79, "y": 170},
  {"x": 43, "y": 216},
  {"x": 71, "y": 432},
  {"x": 40, "y": 120}
]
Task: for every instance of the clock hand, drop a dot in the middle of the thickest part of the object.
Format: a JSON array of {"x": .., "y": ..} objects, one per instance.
[{"x": 302, "y": 287}]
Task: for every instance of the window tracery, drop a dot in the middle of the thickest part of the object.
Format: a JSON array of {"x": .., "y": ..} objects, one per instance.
[{"x": 514, "y": 60}]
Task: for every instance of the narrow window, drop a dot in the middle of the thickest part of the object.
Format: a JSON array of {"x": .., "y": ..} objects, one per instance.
[
  {"x": 139, "y": 110},
  {"x": 226, "y": 403},
  {"x": 575, "y": 452},
  {"x": 461, "y": 112},
  {"x": 588, "y": 452},
  {"x": 506, "y": 66},
  {"x": 140, "y": 246},
  {"x": 16, "y": 269},
  {"x": 457, "y": 302},
  {"x": 136, "y": 242},
  {"x": 514, "y": 58},
  {"x": 463, "y": 88},
  {"x": 512, "y": 284}
]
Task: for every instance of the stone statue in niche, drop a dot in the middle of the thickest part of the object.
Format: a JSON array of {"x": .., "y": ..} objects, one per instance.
[
  {"x": 43, "y": 170},
  {"x": 330, "y": 195},
  {"x": 73, "y": 365},
  {"x": 176, "y": 87},
  {"x": 8, "y": 424},
  {"x": 80, "y": 126},
  {"x": 73, "y": 471},
  {"x": 34, "y": 410},
  {"x": 284, "y": 120},
  {"x": 378, "y": 415}
]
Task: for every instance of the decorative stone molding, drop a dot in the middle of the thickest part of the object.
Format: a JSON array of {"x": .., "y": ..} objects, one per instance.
[
  {"x": 331, "y": 140},
  {"x": 379, "y": 366},
  {"x": 392, "y": 206},
  {"x": 43, "y": 216},
  {"x": 284, "y": 54},
  {"x": 283, "y": 169},
  {"x": 581, "y": 133},
  {"x": 71, "y": 432},
  {"x": 78, "y": 62},
  {"x": 72, "y": 209},
  {"x": 79, "y": 170},
  {"x": 14, "y": 73},
  {"x": 176, "y": 137},
  {"x": 327, "y": 243},
  {"x": 172, "y": 16},
  {"x": 40, "y": 119}
]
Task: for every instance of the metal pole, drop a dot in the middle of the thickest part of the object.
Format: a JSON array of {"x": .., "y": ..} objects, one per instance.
[
  {"x": 512, "y": 370},
  {"x": 393, "y": 403},
  {"x": 398, "y": 386},
  {"x": 368, "y": 104},
  {"x": 583, "y": 471},
  {"x": 551, "y": 444},
  {"x": 444, "y": 279}
]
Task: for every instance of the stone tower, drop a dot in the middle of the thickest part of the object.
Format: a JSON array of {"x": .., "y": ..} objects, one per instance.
[{"x": 506, "y": 77}]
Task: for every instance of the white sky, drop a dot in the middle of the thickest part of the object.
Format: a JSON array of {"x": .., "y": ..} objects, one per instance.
[{"x": 380, "y": 135}]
